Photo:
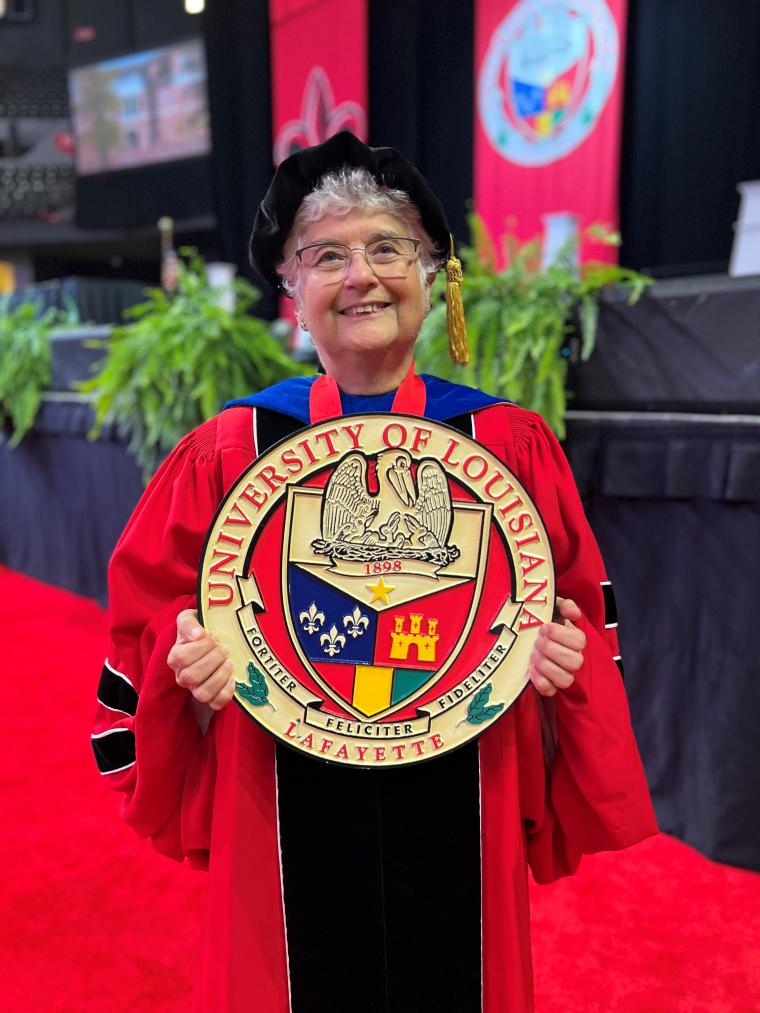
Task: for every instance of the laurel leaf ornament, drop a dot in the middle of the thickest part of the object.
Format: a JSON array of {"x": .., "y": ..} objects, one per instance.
[
  {"x": 255, "y": 691},
  {"x": 479, "y": 710}
]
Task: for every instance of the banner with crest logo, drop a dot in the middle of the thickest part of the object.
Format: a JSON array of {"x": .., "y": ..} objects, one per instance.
[{"x": 549, "y": 84}]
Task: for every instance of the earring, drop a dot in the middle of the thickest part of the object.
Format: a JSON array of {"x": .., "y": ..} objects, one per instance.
[{"x": 302, "y": 324}]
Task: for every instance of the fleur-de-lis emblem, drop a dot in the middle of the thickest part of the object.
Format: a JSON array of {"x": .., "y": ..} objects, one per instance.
[
  {"x": 312, "y": 620},
  {"x": 332, "y": 642},
  {"x": 320, "y": 117},
  {"x": 355, "y": 624}
]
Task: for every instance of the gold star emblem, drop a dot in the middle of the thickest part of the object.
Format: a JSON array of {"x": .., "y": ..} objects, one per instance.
[{"x": 380, "y": 591}]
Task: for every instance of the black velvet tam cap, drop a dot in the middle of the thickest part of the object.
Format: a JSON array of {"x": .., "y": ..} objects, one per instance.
[{"x": 299, "y": 174}]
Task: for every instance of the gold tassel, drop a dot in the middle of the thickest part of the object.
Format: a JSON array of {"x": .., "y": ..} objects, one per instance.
[{"x": 459, "y": 350}]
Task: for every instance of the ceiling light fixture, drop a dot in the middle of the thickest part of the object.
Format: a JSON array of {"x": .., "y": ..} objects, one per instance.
[{"x": 191, "y": 6}]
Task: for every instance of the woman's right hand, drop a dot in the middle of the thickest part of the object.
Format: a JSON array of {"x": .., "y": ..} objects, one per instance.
[{"x": 200, "y": 664}]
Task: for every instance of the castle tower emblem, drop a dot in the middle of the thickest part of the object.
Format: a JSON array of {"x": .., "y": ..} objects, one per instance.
[{"x": 424, "y": 642}]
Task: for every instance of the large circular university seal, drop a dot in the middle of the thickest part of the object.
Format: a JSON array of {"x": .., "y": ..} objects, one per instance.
[{"x": 379, "y": 581}]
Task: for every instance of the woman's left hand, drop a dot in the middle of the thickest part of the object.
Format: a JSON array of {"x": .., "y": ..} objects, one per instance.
[{"x": 558, "y": 653}]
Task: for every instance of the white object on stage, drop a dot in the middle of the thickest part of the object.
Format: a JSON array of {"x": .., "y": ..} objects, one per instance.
[
  {"x": 745, "y": 252},
  {"x": 220, "y": 276},
  {"x": 560, "y": 228}
]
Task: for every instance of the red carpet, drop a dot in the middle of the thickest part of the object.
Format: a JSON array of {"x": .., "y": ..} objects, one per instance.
[{"x": 93, "y": 919}]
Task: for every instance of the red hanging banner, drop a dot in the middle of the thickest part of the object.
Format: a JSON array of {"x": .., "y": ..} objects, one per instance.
[
  {"x": 549, "y": 86},
  {"x": 319, "y": 71},
  {"x": 319, "y": 80}
]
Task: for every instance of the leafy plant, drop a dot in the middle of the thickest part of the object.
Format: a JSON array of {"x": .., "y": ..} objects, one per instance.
[
  {"x": 25, "y": 363},
  {"x": 519, "y": 317},
  {"x": 179, "y": 360}
]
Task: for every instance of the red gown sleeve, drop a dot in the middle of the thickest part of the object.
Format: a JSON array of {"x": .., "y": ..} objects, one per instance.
[
  {"x": 591, "y": 793},
  {"x": 148, "y": 741}
]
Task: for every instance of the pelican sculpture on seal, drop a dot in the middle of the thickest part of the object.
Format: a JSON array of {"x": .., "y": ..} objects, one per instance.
[{"x": 403, "y": 513}]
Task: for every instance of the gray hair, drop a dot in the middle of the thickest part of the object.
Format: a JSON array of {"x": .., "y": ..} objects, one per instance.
[{"x": 347, "y": 190}]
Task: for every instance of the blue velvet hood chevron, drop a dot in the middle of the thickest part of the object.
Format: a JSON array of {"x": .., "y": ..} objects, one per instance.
[{"x": 445, "y": 400}]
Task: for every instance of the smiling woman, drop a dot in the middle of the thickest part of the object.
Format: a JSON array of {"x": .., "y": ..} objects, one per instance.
[
  {"x": 392, "y": 889},
  {"x": 364, "y": 316}
]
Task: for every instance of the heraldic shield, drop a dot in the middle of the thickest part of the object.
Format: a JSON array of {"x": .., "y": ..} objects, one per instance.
[{"x": 379, "y": 583}]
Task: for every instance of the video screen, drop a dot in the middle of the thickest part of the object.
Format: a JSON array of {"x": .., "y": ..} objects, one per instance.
[{"x": 140, "y": 109}]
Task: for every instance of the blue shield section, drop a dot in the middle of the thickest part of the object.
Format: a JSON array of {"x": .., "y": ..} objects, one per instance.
[
  {"x": 331, "y": 626},
  {"x": 529, "y": 100}
]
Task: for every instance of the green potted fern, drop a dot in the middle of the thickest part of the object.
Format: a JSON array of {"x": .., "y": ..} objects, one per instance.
[
  {"x": 178, "y": 359},
  {"x": 519, "y": 318},
  {"x": 25, "y": 362}
]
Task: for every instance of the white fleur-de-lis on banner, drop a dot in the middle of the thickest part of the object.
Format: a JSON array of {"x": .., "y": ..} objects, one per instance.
[
  {"x": 320, "y": 117},
  {"x": 312, "y": 619},
  {"x": 332, "y": 642},
  {"x": 355, "y": 624}
]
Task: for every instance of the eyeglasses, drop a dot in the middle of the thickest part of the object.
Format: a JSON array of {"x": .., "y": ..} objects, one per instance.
[{"x": 388, "y": 258}]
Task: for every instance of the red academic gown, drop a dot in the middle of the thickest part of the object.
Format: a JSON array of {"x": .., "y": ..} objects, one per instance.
[{"x": 559, "y": 778}]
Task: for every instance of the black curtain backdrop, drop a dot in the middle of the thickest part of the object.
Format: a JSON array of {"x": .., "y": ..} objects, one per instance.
[
  {"x": 236, "y": 33},
  {"x": 691, "y": 127},
  {"x": 421, "y": 92},
  {"x": 691, "y": 130}
]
